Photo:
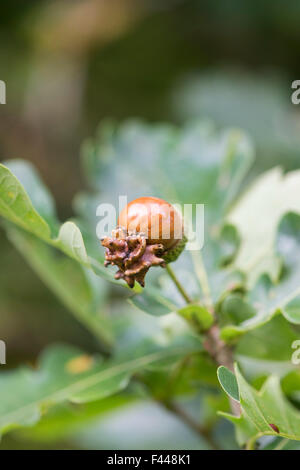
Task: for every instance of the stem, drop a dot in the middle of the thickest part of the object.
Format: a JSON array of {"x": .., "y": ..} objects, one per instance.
[
  {"x": 178, "y": 285},
  {"x": 222, "y": 354},
  {"x": 189, "y": 421},
  {"x": 219, "y": 351},
  {"x": 203, "y": 278}
]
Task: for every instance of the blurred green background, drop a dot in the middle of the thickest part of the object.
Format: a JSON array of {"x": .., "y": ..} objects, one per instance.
[{"x": 68, "y": 65}]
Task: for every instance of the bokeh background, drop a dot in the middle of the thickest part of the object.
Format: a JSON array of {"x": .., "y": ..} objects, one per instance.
[{"x": 68, "y": 64}]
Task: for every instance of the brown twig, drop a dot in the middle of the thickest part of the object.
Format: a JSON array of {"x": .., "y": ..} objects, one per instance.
[
  {"x": 222, "y": 354},
  {"x": 219, "y": 351}
]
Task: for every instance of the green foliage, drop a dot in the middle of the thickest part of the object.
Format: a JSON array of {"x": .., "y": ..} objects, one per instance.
[
  {"x": 228, "y": 382},
  {"x": 65, "y": 373},
  {"x": 17, "y": 207},
  {"x": 246, "y": 279},
  {"x": 77, "y": 287},
  {"x": 268, "y": 298},
  {"x": 257, "y": 216},
  {"x": 68, "y": 418},
  {"x": 266, "y": 412},
  {"x": 199, "y": 317}
]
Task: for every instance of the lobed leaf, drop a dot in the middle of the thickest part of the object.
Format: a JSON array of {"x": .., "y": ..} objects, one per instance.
[
  {"x": 267, "y": 411},
  {"x": 270, "y": 299},
  {"x": 17, "y": 207},
  {"x": 78, "y": 288},
  {"x": 66, "y": 374},
  {"x": 153, "y": 302},
  {"x": 257, "y": 216}
]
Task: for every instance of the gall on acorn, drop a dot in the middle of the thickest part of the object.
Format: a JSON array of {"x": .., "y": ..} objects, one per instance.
[{"x": 150, "y": 233}]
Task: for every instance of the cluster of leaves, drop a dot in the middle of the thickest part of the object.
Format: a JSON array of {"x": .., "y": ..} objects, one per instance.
[{"x": 247, "y": 272}]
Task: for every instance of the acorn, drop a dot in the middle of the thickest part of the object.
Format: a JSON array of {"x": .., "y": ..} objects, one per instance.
[{"x": 150, "y": 233}]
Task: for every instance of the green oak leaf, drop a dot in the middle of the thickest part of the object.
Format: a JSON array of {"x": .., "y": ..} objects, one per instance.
[
  {"x": 152, "y": 301},
  {"x": 268, "y": 411},
  {"x": 18, "y": 207},
  {"x": 67, "y": 374},
  {"x": 196, "y": 315},
  {"x": 73, "y": 283},
  {"x": 228, "y": 382},
  {"x": 291, "y": 381},
  {"x": 66, "y": 419},
  {"x": 235, "y": 309},
  {"x": 244, "y": 428},
  {"x": 267, "y": 349},
  {"x": 269, "y": 299},
  {"x": 78, "y": 288},
  {"x": 164, "y": 158},
  {"x": 257, "y": 216}
]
